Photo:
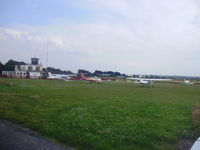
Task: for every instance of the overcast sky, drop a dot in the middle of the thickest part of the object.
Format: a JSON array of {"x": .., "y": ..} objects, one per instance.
[{"x": 129, "y": 36}]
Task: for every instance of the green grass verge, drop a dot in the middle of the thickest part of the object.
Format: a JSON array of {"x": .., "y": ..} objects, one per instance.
[{"x": 110, "y": 115}]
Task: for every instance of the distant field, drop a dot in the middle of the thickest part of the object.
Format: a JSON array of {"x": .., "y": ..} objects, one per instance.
[{"x": 106, "y": 116}]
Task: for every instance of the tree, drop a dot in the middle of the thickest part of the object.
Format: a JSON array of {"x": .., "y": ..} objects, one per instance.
[
  {"x": 57, "y": 71},
  {"x": 97, "y": 73},
  {"x": 83, "y": 71},
  {"x": 1, "y": 68},
  {"x": 117, "y": 74},
  {"x": 10, "y": 65}
]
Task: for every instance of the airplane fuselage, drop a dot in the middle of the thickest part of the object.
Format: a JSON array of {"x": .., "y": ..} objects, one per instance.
[{"x": 146, "y": 82}]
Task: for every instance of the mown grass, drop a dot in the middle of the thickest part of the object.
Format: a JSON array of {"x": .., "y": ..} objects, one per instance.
[{"x": 110, "y": 115}]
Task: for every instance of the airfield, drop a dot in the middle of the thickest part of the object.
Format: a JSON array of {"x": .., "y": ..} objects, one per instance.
[{"x": 106, "y": 116}]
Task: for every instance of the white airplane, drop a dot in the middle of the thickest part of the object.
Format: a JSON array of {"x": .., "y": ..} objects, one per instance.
[
  {"x": 58, "y": 76},
  {"x": 187, "y": 82},
  {"x": 146, "y": 81}
]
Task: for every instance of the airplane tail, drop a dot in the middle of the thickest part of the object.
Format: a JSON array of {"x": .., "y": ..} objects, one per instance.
[
  {"x": 81, "y": 76},
  {"x": 50, "y": 74}
]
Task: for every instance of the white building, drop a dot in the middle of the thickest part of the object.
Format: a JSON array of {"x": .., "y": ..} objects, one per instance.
[{"x": 33, "y": 70}]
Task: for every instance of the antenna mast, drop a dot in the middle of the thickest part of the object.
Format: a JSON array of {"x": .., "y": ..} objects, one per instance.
[{"x": 47, "y": 54}]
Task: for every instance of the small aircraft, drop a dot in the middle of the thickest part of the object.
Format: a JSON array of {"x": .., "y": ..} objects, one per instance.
[
  {"x": 146, "y": 81},
  {"x": 93, "y": 79},
  {"x": 90, "y": 79},
  {"x": 58, "y": 76},
  {"x": 187, "y": 82}
]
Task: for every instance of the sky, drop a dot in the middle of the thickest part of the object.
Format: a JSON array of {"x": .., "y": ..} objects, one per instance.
[{"x": 130, "y": 36}]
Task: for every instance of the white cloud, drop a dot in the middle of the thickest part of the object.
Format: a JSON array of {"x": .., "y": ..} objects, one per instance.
[
  {"x": 56, "y": 41},
  {"x": 13, "y": 33}
]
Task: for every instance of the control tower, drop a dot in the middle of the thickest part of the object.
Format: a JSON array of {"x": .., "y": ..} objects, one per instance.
[{"x": 34, "y": 61}]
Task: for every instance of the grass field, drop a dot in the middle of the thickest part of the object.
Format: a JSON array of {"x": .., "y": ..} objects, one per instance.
[{"x": 110, "y": 115}]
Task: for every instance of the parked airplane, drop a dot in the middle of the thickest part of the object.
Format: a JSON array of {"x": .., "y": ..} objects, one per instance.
[
  {"x": 146, "y": 81},
  {"x": 58, "y": 76},
  {"x": 93, "y": 79},
  {"x": 188, "y": 82},
  {"x": 90, "y": 79}
]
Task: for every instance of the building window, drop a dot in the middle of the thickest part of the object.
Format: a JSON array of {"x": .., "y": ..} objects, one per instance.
[
  {"x": 24, "y": 73},
  {"x": 38, "y": 69},
  {"x": 29, "y": 68}
]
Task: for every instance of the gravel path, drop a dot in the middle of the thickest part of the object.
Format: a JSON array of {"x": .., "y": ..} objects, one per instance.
[{"x": 14, "y": 137}]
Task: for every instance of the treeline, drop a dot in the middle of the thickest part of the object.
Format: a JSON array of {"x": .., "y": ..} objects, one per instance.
[
  {"x": 57, "y": 71},
  {"x": 118, "y": 74},
  {"x": 102, "y": 73}
]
